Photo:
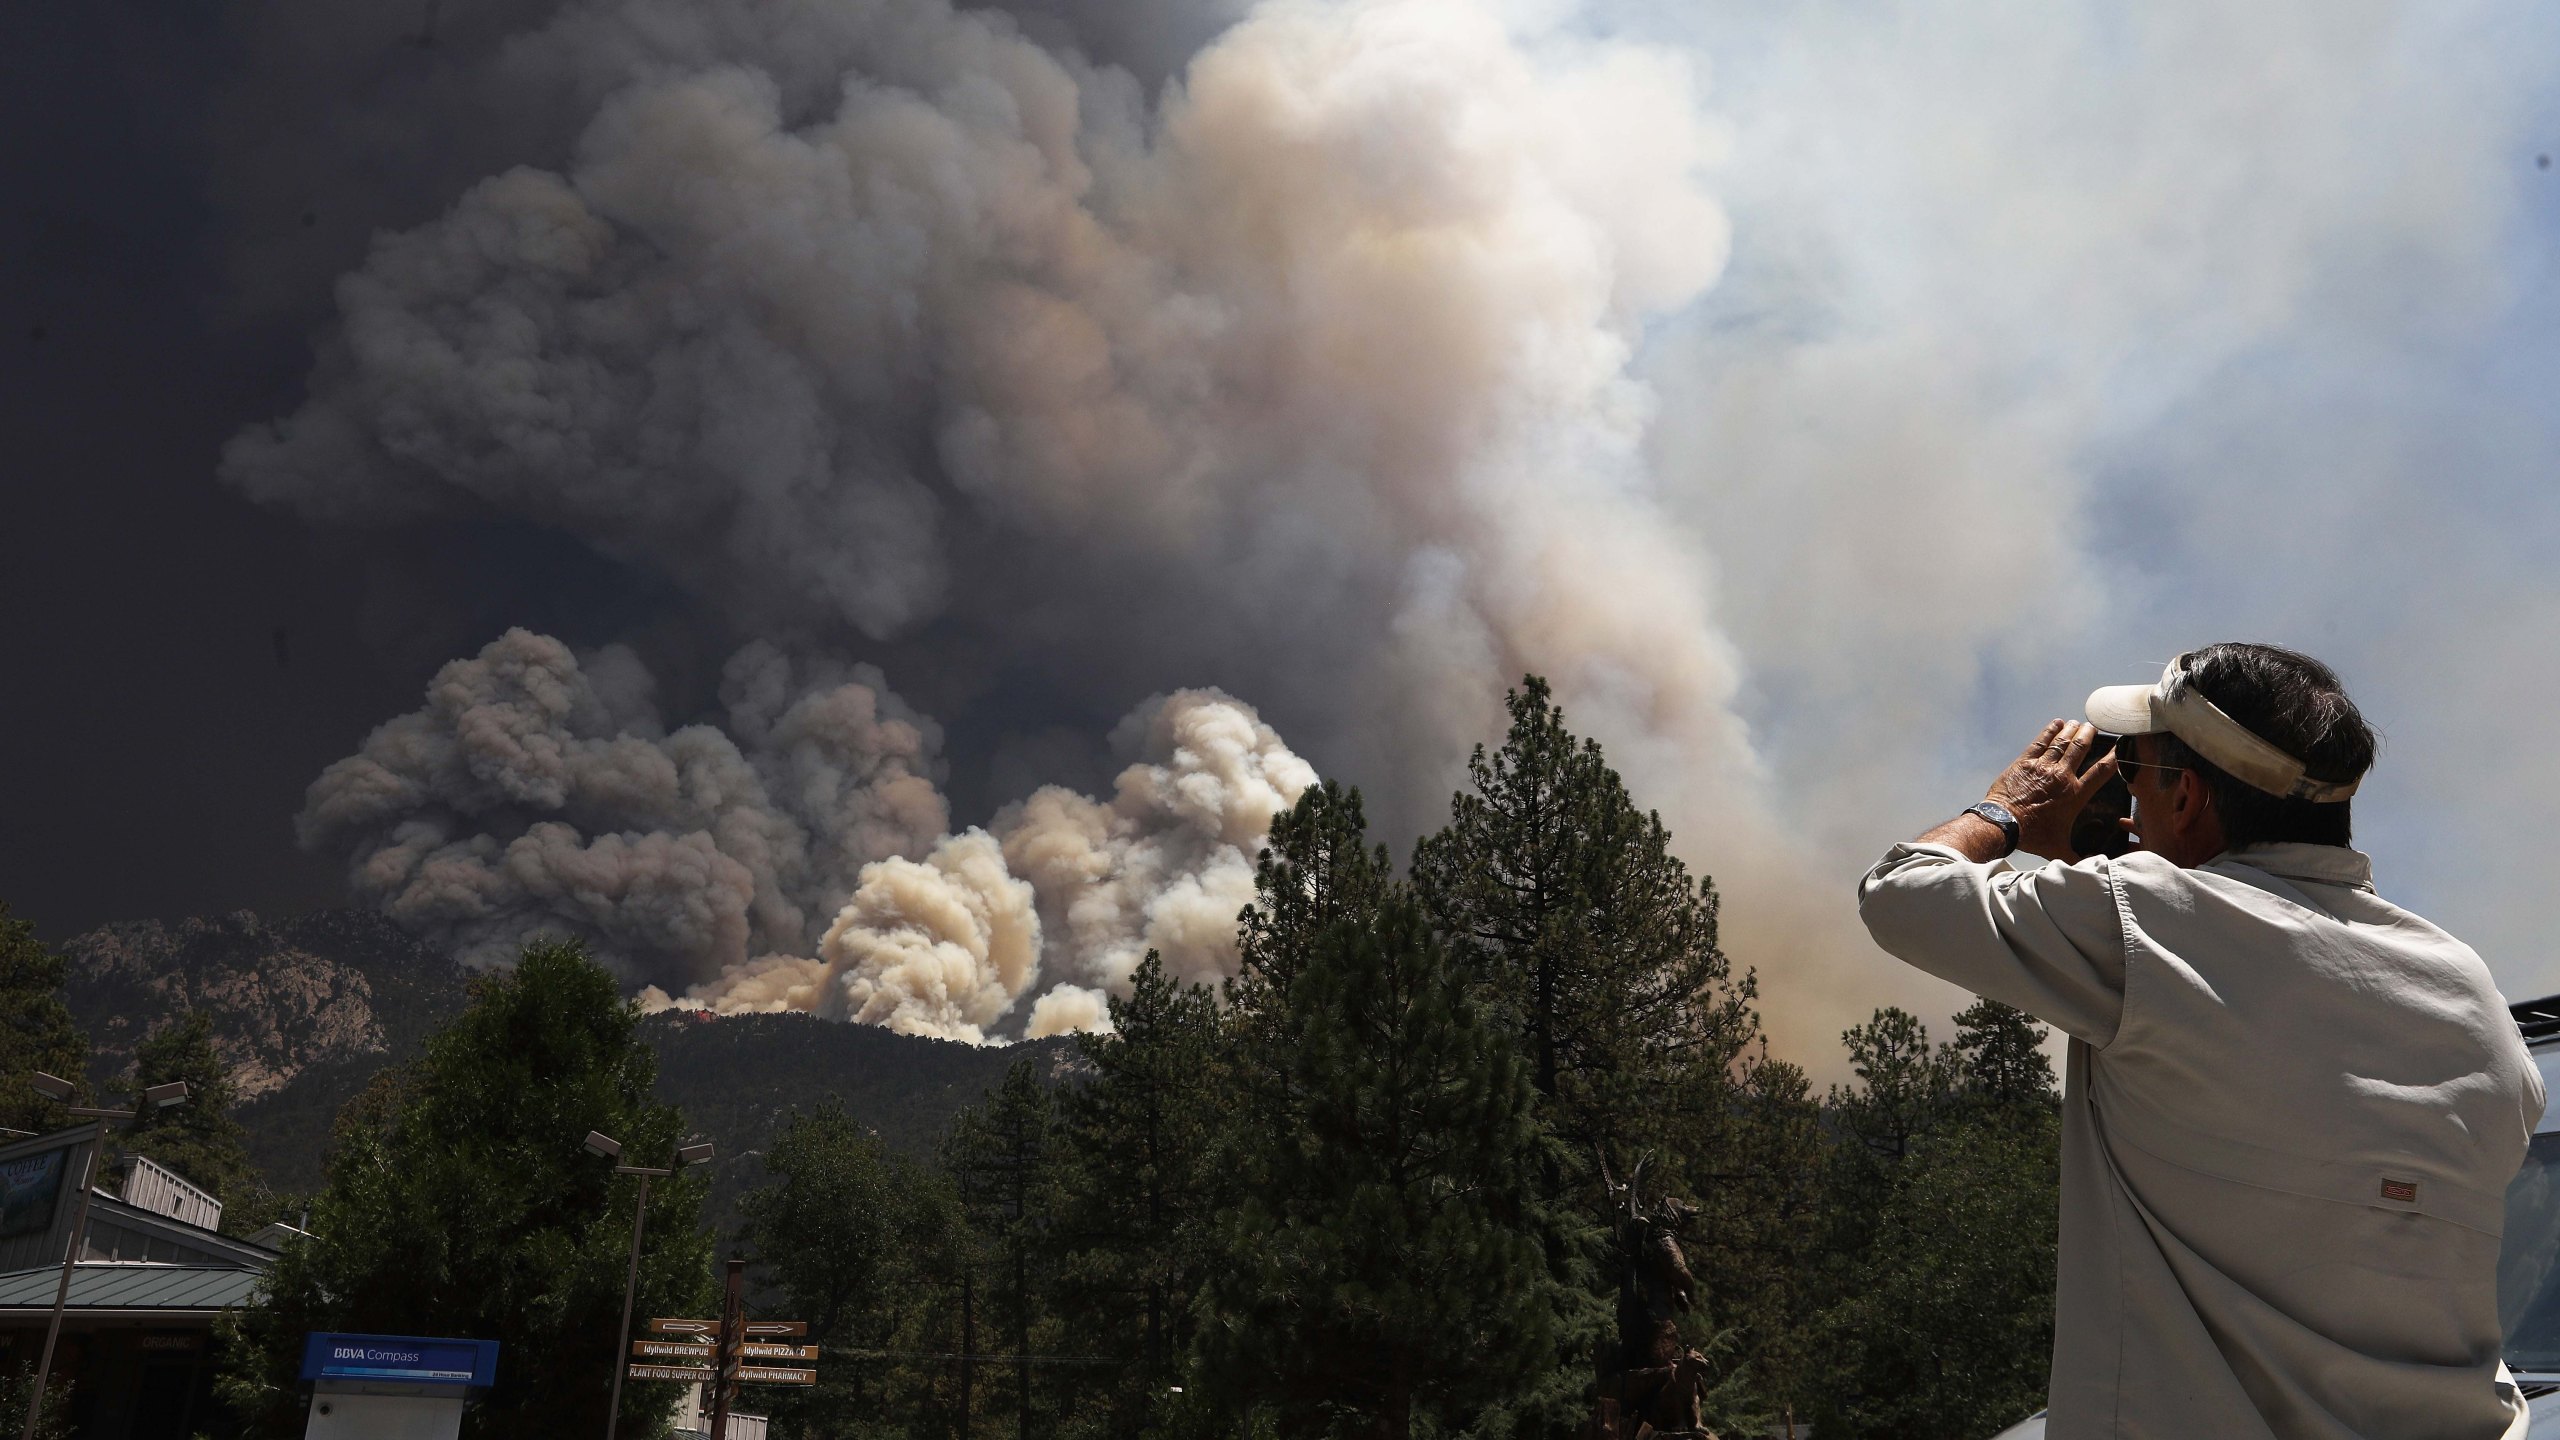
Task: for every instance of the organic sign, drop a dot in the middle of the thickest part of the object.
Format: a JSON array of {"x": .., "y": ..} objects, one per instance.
[{"x": 28, "y": 1185}]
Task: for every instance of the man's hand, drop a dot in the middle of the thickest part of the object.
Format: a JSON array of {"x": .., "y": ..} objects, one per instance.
[{"x": 2045, "y": 787}]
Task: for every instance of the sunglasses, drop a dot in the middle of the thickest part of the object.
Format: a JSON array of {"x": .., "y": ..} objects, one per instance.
[{"x": 2122, "y": 743}]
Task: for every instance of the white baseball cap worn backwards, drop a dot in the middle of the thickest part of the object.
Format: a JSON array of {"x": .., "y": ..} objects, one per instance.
[{"x": 2176, "y": 706}]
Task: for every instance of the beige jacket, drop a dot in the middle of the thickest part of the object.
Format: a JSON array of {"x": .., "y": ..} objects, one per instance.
[{"x": 2290, "y": 1112}]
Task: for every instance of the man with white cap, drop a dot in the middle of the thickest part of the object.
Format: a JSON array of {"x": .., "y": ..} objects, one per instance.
[{"x": 2290, "y": 1108}]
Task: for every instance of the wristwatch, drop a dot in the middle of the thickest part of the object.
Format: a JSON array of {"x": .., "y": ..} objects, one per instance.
[{"x": 1998, "y": 814}]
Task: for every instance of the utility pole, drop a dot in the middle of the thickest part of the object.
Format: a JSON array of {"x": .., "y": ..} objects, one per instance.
[
  {"x": 733, "y": 1315},
  {"x": 968, "y": 1341},
  {"x": 602, "y": 1144},
  {"x": 1021, "y": 1286},
  {"x": 160, "y": 1097}
]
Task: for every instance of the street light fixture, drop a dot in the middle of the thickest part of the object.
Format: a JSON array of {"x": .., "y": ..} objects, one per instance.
[
  {"x": 605, "y": 1145},
  {"x": 54, "y": 1087}
]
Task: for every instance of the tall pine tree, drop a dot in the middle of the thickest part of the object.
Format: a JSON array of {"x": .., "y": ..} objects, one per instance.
[
  {"x": 1005, "y": 1158},
  {"x": 1138, "y": 1188},
  {"x": 1318, "y": 868},
  {"x": 1588, "y": 932},
  {"x": 1383, "y": 1273}
]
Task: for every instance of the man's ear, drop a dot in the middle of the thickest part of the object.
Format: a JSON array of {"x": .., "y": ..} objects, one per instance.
[{"x": 2194, "y": 796}]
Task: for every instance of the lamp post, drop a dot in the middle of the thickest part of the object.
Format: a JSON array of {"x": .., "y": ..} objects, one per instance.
[
  {"x": 158, "y": 1097},
  {"x": 611, "y": 1149}
]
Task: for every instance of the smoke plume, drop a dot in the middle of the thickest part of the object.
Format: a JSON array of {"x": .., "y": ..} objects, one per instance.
[
  {"x": 1386, "y": 350},
  {"x": 864, "y": 315},
  {"x": 798, "y": 856},
  {"x": 535, "y": 793}
]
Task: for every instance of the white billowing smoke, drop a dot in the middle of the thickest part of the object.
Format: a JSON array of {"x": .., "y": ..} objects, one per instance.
[
  {"x": 1067, "y": 894},
  {"x": 1168, "y": 861},
  {"x": 799, "y": 856}
]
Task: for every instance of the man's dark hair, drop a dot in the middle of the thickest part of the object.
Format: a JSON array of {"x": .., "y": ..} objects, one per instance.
[{"x": 2296, "y": 704}]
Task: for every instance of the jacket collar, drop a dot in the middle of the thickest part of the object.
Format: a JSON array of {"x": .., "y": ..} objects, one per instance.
[{"x": 2317, "y": 864}]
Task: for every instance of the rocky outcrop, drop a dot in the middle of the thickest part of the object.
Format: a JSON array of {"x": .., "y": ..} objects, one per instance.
[{"x": 284, "y": 995}]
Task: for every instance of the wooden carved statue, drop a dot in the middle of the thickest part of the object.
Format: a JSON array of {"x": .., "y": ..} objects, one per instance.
[{"x": 1650, "y": 1382}]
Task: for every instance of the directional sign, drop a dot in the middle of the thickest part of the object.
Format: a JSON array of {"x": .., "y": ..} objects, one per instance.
[
  {"x": 776, "y": 1375},
  {"x": 688, "y": 1373},
  {"x": 684, "y": 1327},
  {"x": 754, "y": 1328},
  {"x": 669, "y": 1350},
  {"x": 753, "y": 1351}
]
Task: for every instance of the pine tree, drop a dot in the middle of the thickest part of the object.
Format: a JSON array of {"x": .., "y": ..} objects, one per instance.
[
  {"x": 1383, "y": 1273},
  {"x": 200, "y": 1139},
  {"x": 2001, "y": 1058},
  {"x": 460, "y": 1202},
  {"x": 36, "y": 1030},
  {"x": 1942, "y": 1199},
  {"x": 1589, "y": 933},
  {"x": 1317, "y": 869},
  {"x": 859, "y": 1239},
  {"x": 1138, "y": 1190},
  {"x": 1004, "y": 1156},
  {"x": 1760, "y": 1226}
]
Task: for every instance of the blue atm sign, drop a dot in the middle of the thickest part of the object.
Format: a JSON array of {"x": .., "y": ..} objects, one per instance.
[{"x": 406, "y": 1358}]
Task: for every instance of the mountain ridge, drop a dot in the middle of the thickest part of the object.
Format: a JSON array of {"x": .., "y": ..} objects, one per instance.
[{"x": 308, "y": 1008}]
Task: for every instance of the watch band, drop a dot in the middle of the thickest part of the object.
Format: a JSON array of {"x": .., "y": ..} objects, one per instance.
[{"x": 1998, "y": 814}]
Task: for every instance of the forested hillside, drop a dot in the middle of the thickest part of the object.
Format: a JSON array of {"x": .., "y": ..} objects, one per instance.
[{"x": 306, "y": 1010}]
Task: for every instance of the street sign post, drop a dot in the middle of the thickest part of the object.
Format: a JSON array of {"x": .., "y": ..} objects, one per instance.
[{"x": 728, "y": 1348}]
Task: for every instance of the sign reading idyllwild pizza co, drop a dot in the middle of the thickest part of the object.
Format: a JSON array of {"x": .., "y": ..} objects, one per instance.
[{"x": 753, "y": 1351}]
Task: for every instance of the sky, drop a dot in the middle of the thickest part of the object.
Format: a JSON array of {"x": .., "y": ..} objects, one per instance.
[{"x": 956, "y": 473}]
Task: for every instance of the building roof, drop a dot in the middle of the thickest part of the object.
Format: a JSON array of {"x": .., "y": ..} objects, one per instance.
[{"x": 130, "y": 1288}]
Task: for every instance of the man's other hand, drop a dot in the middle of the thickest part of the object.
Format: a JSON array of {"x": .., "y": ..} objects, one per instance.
[{"x": 2049, "y": 783}]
